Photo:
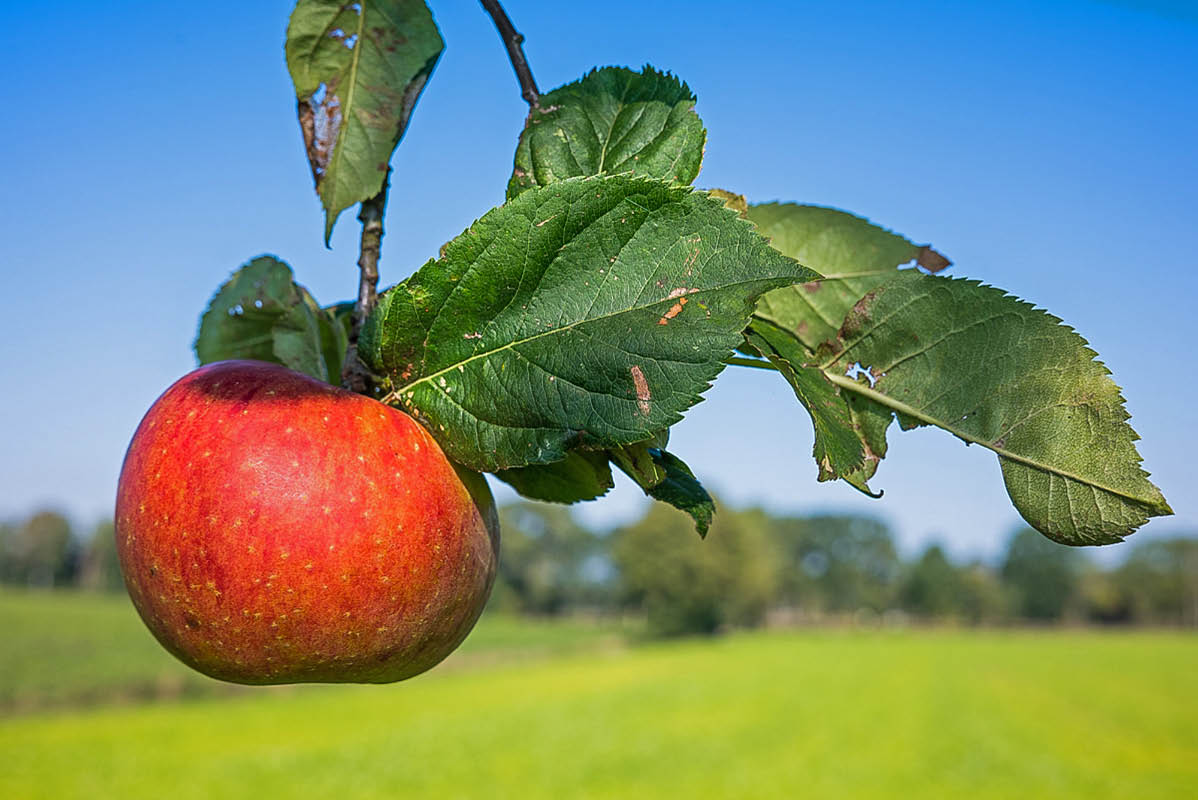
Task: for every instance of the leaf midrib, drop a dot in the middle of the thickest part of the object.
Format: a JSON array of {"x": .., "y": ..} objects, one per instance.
[
  {"x": 570, "y": 326},
  {"x": 845, "y": 382},
  {"x": 359, "y": 45}
]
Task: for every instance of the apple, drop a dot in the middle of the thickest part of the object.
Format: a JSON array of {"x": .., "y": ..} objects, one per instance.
[{"x": 274, "y": 529}]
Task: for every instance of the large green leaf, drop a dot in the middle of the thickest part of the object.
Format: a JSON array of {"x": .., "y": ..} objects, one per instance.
[
  {"x": 358, "y": 70},
  {"x": 613, "y": 120},
  {"x": 262, "y": 313},
  {"x": 588, "y": 313},
  {"x": 997, "y": 372}
]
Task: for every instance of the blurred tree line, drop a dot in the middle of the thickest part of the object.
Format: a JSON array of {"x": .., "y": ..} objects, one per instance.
[{"x": 753, "y": 569}]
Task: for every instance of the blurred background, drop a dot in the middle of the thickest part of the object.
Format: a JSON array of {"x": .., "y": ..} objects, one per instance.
[{"x": 817, "y": 642}]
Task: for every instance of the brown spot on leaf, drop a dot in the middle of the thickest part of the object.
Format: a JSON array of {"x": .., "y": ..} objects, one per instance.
[
  {"x": 932, "y": 261},
  {"x": 641, "y": 385},
  {"x": 674, "y": 311},
  {"x": 858, "y": 317},
  {"x": 811, "y": 287}
]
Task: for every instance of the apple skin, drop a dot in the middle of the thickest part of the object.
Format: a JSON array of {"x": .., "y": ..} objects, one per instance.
[{"x": 274, "y": 529}]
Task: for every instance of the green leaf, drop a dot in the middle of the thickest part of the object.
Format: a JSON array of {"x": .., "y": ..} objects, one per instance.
[
  {"x": 997, "y": 372},
  {"x": 588, "y": 313},
  {"x": 261, "y": 313},
  {"x": 839, "y": 449},
  {"x": 581, "y": 475},
  {"x": 665, "y": 477},
  {"x": 613, "y": 120},
  {"x": 639, "y": 460},
  {"x": 358, "y": 70},
  {"x": 586, "y": 474},
  {"x": 683, "y": 491}
]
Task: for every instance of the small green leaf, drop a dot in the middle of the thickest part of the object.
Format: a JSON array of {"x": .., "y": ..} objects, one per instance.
[
  {"x": 640, "y": 462},
  {"x": 358, "y": 70},
  {"x": 995, "y": 371},
  {"x": 680, "y": 488},
  {"x": 613, "y": 120},
  {"x": 839, "y": 450},
  {"x": 588, "y": 313},
  {"x": 581, "y": 475},
  {"x": 853, "y": 256},
  {"x": 261, "y": 313}
]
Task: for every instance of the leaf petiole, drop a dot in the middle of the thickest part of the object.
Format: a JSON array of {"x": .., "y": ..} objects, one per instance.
[{"x": 755, "y": 363}]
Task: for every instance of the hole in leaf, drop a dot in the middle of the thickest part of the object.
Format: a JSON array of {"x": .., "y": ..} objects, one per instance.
[
  {"x": 857, "y": 371},
  {"x": 349, "y": 40},
  {"x": 321, "y": 126}
]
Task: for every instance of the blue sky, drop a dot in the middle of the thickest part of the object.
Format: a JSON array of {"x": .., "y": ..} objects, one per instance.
[{"x": 1049, "y": 148}]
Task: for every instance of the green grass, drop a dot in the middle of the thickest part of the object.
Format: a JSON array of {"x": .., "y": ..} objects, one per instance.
[
  {"x": 61, "y": 649},
  {"x": 806, "y": 714}
]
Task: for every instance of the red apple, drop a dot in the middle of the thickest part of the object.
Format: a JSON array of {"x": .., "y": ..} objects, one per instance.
[{"x": 274, "y": 529}]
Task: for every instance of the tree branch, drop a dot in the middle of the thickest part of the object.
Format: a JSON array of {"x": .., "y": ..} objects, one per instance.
[
  {"x": 354, "y": 374},
  {"x": 513, "y": 41}
]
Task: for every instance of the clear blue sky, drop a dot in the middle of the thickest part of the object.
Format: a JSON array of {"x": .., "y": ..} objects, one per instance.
[{"x": 1050, "y": 148}]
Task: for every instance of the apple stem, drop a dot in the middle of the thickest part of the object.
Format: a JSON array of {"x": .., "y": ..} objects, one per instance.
[
  {"x": 354, "y": 374},
  {"x": 513, "y": 40}
]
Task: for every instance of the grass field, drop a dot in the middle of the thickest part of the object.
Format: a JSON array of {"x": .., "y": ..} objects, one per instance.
[
  {"x": 71, "y": 649},
  {"x": 799, "y": 714}
]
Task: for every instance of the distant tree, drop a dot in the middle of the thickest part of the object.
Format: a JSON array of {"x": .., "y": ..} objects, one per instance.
[
  {"x": 1043, "y": 575},
  {"x": 837, "y": 563},
  {"x": 933, "y": 587},
  {"x": 688, "y": 585},
  {"x": 10, "y": 566},
  {"x": 936, "y": 587},
  {"x": 983, "y": 596},
  {"x": 550, "y": 564},
  {"x": 1159, "y": 581},
  {"x": 100, "y": 569},
  {"x": 42, "y": 552},
  {"x": 1103, "y": 597}
]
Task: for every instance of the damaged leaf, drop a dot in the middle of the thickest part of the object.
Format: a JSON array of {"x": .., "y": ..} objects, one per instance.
[
  {"x": 612, "y": 121},
  {"x": 262, "y": 313},
  {"x": 841, "y": 448},
  {"x": 853, "y": 256},
  {"x": 541, "y": 328},
  {"x": 358, "y": 70}
]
